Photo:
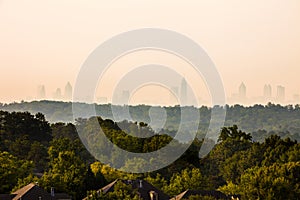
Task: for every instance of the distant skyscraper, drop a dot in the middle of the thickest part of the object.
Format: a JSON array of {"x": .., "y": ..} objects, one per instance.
[
  {"x": 296, "y": 98},
  {"x": 57, "y": 95},
  {"x": 174, "y": 89},
  {"x": 174, "y": 95},
  {"x": 68, "y": 91},
  {"x": 267, "y": 92},
  {"x": 242, "y": 91},
  {"x": 125, "y": 97},
  {"x": 183, "y": 92},
  {"x": 280, "y": 93},
  {"x": 102, "y": 100},
  {"x": 41, "y": 92}
]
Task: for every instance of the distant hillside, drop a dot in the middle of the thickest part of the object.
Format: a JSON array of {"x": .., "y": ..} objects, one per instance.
[{"x": 259, "y": 120}]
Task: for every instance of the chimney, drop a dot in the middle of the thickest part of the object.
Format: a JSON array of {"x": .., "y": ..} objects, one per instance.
[
  {"x": 52, "y": 192},
  {"x": 141, "y": 184},
  {"x": 153, "y": 195}
]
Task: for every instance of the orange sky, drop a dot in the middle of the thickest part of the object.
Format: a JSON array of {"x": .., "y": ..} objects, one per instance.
[{"x": 45, "y": 42}]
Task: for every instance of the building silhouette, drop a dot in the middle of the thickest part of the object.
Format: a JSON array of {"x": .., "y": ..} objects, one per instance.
[
  {"x": 174, "y": 94},
  {"x": 125, "y": 97},
  {"x": 280, "y": 93},
  {"x": 267, "y": 92},
  {"x": 102, "y": 100},
  {"x": 68, "y": 91},
  {"x": 175, "y": 90},
  {"x": 41, "y": 92},
  {"x": 296, "y": 98},
  {"x": 242, "y": 92},
  {"x": 57, "y": 94},
  {"x": 183, "y": 92}
]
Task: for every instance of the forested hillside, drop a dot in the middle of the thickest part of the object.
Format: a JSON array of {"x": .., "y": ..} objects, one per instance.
[
  {"x": 33, "y": 150},
  {"x": 259, "y": 120}
]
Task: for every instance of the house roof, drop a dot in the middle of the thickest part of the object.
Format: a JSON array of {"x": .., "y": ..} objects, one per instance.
[
  {"x": 23, "y": 190},
  {"x": 105, "y": 189},
  {"x": 213, "y": 193},
  {"x": 62, "y": 196},
  {"x": 6, "y": 196},
  {"x": 31, "y": 191},
  {"x": 109, "y": 187},
  {"x": 142, "y": 187}
]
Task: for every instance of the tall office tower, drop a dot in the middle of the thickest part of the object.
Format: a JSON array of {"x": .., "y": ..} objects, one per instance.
[
  {"x": 102, "y": 100},
  {"x": 174, "y": 98},
  {"x": 267, "y": 92},
  {"x": 242, "y": 92},
  {"x": 280, "y": 93},
  {"x": 296, "y": 98},
  {"x": 183, "y": 92},
  {"x": 41, "y": 92},
  {"x": 57, "y": 94},
  {"x": 68, "y": 91},
  {"x": 125, "y": 97},
  {"x": 174, "y": 90}
]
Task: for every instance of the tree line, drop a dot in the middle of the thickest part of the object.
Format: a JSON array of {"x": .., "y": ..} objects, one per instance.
[{"x": 259, "y": 120}]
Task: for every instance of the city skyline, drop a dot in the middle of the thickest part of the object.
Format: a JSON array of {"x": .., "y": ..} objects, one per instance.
[
  {"x": 268, "y": 94},
  {"x": 57, "y": 94},
  {"x": 253, "y": 42}
]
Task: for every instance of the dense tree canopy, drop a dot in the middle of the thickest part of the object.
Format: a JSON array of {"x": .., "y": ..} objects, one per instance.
[
  {"x": 259, "y": 120},
  {"x": 12, "y": 169},
  {"x": 32, "y": 150}
]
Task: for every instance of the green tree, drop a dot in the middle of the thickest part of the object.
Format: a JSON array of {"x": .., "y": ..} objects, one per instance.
[
  {"x": 64, "y": 144},
  {"x": 275, "y": 149},
  {"x": 278, "y": 181},
  {"x": 62, "y": 130},
  {"x": 233, "y": 167},
  {"x": 158, "y": 181},
  {"x": 25, "y": 181},
  {"x": 121, "y": 191},
  {"x": 188, "y": 179},
  {"x": 38, "y": 154},
  {"x": 20, "y": 147},
  {"x": 198, "y": 197},
  {"x": 233, "y": 133},
  {"x": 12, "y": 169},
  {"x": 67, "y": 174},
  {"x": 230, "y": 189},
  {"x": 110, "y": 174},
  {"x": 231, "y": 141}
]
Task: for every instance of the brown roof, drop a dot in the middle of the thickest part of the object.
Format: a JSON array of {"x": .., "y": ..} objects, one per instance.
[
  {"x": 143, "y": 189},
  {"x": 62, "y": 196},
  {"x": 31, "y": 192},
  {"x": 6, "y": 196},
  {"x": 186, "y": 194},
  {"x": 109, "y": 187}
]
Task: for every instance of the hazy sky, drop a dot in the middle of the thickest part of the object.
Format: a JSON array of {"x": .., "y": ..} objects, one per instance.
[{"x": 45, "y": 42}]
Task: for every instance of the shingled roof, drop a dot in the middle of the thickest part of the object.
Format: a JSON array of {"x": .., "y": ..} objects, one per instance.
[
  {"x": 143, "y": 189},
  {"x": 6, "y": 196},
  {"x": 30, "y": 192},
  {"x": 109, "y": 187},
  {"x": 33, "y": 192},
  {"x": 186, "y": 194}
]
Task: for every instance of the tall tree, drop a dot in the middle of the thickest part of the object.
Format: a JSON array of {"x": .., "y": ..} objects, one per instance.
[{"x": 12, "y": 169}]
